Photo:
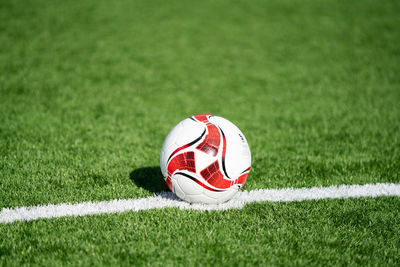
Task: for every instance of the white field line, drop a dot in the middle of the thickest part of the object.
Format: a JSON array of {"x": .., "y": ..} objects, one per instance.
[{"x": 167, "y": 199}]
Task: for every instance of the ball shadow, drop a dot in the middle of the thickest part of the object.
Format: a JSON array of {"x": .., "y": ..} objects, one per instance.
[{"x": 149, "y": 178}]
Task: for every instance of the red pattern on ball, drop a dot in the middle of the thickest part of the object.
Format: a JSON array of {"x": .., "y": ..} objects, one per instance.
[
  {"x": 184, "y": 161},
  {"x": 211, "y": 142}
]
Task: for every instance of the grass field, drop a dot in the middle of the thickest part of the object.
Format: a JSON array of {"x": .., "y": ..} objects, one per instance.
[{"x": 90, "y": 89}]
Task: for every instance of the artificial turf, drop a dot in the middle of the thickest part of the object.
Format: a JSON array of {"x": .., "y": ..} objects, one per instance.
[
  {"x": 329, "y": 232},
  {"x": 90, "y": 89}
]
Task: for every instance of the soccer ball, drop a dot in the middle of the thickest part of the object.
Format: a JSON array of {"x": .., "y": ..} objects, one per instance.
[{"x": 205, "y": 159}]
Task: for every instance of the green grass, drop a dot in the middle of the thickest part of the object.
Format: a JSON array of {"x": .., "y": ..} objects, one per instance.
[
  {"x": 90, "y": 89},
  {"x": 329, "y": 232}
]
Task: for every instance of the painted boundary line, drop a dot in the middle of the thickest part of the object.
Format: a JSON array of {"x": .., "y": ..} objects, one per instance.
[{"x": 167, "y": 199}]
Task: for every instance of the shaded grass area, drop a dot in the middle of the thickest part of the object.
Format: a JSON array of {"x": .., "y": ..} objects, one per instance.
[{"x": 333, "y": 232}]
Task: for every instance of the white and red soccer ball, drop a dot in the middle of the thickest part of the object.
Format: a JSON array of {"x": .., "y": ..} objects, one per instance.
[{"x": 205, "y": 159}]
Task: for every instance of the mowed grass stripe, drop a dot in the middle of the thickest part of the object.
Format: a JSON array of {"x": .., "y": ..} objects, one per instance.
[{"x": 169, "y": 200}]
